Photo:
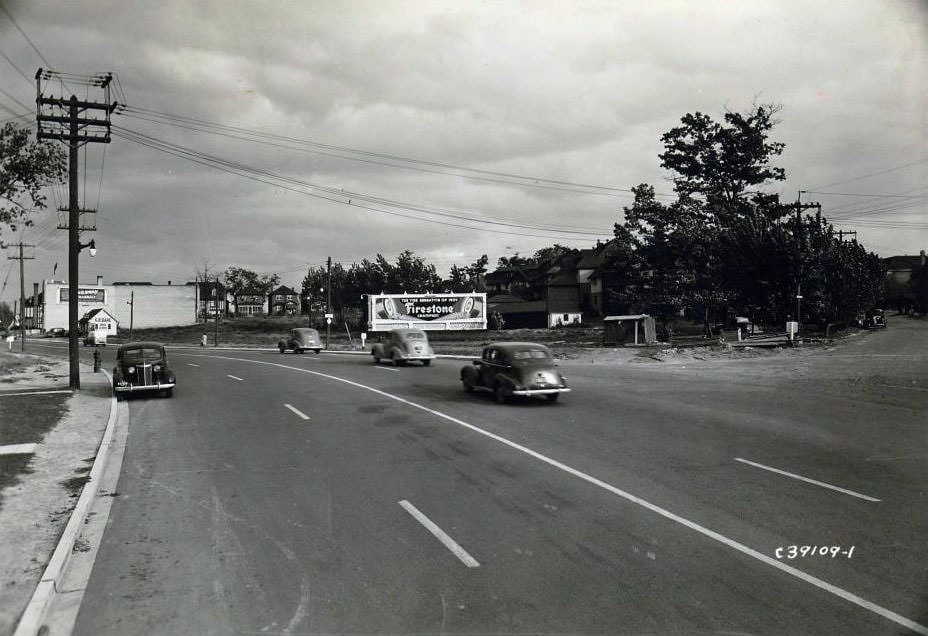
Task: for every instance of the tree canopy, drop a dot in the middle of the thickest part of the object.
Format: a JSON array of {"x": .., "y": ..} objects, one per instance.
[{"x": 25, "y": 168}]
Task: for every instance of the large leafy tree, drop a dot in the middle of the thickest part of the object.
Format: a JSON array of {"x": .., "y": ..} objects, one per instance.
[
  {"x": 25, "y": 168},
  {"x": 469, "y": 277},
  {"x": 238, "y": 279}
]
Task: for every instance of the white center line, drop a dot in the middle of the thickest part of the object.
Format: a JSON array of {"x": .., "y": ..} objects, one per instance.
[
  {"x": 440, "y": 534},
  {"x": 234, "y": 377},
  {"x": 667, "y": 514},
  {"x": 807, "y": 480},
  {"x": 386, "y": 369},
  {"x": 17, "y": 449},
  {"x": 297, "y": 411},
  {"x": 190, "y": 364}
]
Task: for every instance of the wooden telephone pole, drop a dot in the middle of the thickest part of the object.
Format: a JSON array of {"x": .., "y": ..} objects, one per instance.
[
  {"x": 67, "y": 120},
  {"x": 22, "y": 292}
]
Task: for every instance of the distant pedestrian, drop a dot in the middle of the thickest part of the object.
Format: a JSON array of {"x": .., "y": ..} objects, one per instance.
[{"x": 203, "y": 340}]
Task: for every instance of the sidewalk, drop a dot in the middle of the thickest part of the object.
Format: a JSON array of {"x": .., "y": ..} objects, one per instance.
[{"x": 35, "y": 510}]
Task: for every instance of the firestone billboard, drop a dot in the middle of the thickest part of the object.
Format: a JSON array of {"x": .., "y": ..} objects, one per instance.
[{"x": 427, "y": 311}]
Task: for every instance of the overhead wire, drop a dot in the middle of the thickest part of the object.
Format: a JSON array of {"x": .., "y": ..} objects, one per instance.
[
  {"x": 378, "y": 158},
  {"x": 336, "y": 195}
]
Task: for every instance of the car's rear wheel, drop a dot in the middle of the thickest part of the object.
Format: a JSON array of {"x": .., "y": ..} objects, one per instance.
[
  {"x": 376, "y": 359},
  {"x": 302, "y": 350},
  {"x": 282, "y": 348},
  {"x": 552, "y": 397}
]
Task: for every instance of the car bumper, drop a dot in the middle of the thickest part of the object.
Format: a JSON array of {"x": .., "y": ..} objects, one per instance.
[
  {"x": 540, "y": 391},
  {"x": 413, "y": 356},
  {"x": 131, "y": 388}
]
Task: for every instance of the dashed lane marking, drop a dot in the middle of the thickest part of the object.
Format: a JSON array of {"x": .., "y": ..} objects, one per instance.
[
  {"x": 441, "y": 535},
  {"x": 190, "y": 364},
  {"x": 667, "y": 514},
  {"x": 297, "y": 411},
  {"x": 807, "y": 480},
  {"x": 234, "y": 377}
]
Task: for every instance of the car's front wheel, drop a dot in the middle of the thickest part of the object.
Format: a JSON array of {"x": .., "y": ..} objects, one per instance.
[
  {"x": 169, "y": 392},
  {"x": 468, "y": 383},
  {"x": 301, "y": 350},
  {"x": 282, "y": 348},
  {"x": 552, "y": 397},
  {"x": 426, "y": 363},
  {"x": 502, "y": 392}
]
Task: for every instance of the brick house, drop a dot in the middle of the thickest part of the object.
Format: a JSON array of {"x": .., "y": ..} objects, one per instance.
[
  {"x": 250, "y": 302},
  {"x": 283, "y": 301}
]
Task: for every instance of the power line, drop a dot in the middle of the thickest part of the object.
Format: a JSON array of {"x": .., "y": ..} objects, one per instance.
[
  {"x": 336, "y": 195},
  {"x": 406, "y": 163},
  {"x": 18, "y": 70},
  {"x": 23, "y": 33},
  {"x": 873, "y": 174}
]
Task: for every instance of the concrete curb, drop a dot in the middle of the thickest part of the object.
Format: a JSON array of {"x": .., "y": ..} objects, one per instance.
[{"x": 34, "y": 617}]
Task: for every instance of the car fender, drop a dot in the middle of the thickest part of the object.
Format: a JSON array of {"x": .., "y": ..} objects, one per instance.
[
  {"x": 504, "y": 379},
  {"x": 377, "y": 350},
  {"x": 470, "y": 373}
]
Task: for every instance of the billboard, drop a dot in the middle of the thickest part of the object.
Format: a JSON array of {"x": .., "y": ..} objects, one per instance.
[
  {"x": 84, "y": 295},
  {"x": 427, "y": 311}
]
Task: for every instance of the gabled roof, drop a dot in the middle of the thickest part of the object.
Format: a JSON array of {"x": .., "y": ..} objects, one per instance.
[
  {"x": 902, "y": 262},
  {"x": 283, "y": 289},
  {"x": 93, "y": 312}
]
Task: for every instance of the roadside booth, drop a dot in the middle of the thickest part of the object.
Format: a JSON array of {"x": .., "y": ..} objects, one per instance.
[{"x": 632, "y": 329}]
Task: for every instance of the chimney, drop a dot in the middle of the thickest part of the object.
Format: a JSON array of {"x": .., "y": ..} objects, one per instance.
[
  {"x": 169, "y": 282},
  {"x": 99, "y": 281}
]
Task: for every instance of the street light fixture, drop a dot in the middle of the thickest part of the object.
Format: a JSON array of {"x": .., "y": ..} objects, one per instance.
[{"x": 92, "y": 245}]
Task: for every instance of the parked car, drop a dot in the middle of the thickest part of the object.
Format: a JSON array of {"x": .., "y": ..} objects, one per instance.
[
  {"x": 57, "y": 332},
  {"x": 301, "y": 339},
  {"x": 402, "y": 346},
  {"x": 873, "y": 319},
  {"x": 511, "y": 369},
  {"x": 142, "y": 366}
]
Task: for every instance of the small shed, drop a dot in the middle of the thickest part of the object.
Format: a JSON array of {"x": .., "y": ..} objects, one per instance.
[
  {"x": 98, "y": 320},
  {"x": 631, "y": 329}
]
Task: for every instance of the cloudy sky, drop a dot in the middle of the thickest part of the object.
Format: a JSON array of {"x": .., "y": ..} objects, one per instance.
[{"x": 450, "y": 128}]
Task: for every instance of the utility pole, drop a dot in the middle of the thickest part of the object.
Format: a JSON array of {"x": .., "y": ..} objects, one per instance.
[
  {"x": 76, "y": 130},
  {"x": 22, "y": 292},
  {"x": 841, "y": 234},
  {"x": 216, "y": 330},
  {"x": 328, "y": 301},
  {"x": 131, "y": 304},
  {"x": 800, "y": 206}
]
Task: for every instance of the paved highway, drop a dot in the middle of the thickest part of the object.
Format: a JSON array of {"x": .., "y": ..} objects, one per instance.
[{"x": 303, "y": 494}]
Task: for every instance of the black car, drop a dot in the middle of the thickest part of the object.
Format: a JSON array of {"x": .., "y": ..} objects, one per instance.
[
  {"x": 511, "y": 369},
  {"x": 301, "y": 339},
  {"x": 874, "y": 319},
  {"x": 142, "y": 366}
]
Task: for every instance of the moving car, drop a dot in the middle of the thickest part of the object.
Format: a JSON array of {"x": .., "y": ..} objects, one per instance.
[
  {"x": 57, "y": 332},
  {"x": 402, "y": 346},
  {"x": 142, "y": 366},
  {"x": 301, "y": 339},
  {"x": 874, "y": 319},
  {"x": 511, "y": 369}
]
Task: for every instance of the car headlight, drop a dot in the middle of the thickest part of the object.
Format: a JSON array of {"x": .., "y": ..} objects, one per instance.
[
  {"x": 156, "y": 368},
  {"x": 131, "y": 370}
]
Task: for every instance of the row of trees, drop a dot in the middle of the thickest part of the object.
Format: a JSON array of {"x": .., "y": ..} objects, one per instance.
[{"x": 722, "y": 245}]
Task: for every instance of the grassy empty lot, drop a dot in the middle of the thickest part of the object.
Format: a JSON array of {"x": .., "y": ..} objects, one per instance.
[{"x": 25, "y": 419}]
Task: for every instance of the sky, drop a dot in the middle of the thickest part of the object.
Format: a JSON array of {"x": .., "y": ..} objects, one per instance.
[{"x": 449, "y": 128}]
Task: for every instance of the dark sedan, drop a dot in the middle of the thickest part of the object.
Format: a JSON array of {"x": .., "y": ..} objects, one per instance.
[
  {"x": 142, "y": 367},
  {"x": 511, "y": 369}
]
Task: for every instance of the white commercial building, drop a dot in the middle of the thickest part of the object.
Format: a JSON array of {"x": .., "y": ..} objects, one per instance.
[{"x": 143, "y": 305}]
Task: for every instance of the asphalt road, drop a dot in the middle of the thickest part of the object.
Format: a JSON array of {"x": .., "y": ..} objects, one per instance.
[{"x": 295, "y": 494}]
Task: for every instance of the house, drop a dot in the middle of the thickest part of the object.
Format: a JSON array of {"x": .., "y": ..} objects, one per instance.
[
  {"x": 212, "y": 299},
  {"x": 900, "y": 292},
  {"x": 250, "y": 302},
  {"x": 283, "y": 301}
]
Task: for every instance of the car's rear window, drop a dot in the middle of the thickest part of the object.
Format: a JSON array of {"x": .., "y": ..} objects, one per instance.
[
  {"x": 148, "y": 354},
  {"x": 530, "y": 354}
]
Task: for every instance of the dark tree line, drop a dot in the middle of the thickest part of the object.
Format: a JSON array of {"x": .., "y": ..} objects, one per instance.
[{"x": 723, "y": 246}]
